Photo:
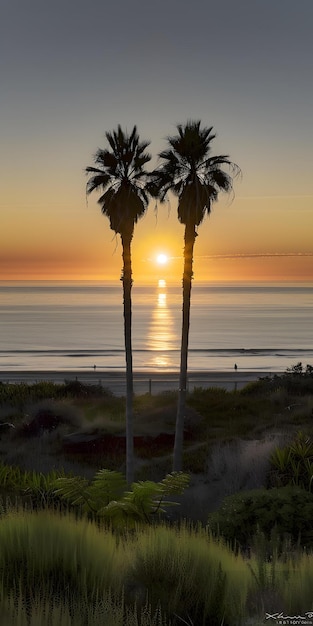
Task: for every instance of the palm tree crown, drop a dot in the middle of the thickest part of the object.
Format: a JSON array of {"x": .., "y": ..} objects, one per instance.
[
  {"x": 191, "y": 173},
  {"x": 121, "y": 177}
]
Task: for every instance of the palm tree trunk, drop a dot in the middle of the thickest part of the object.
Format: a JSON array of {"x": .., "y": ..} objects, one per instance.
[
  {"x": 190, "y": 236},
  {"x": 127, "y": 285}
]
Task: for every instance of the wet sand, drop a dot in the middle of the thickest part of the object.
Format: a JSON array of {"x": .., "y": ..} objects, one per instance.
[{"x": 144, "y": 382}]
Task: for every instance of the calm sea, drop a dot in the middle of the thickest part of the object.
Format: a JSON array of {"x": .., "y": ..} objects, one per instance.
[{"x": 74, "y": 326}]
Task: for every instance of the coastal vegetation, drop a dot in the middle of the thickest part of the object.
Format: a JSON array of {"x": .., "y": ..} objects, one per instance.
[{"x": 245, "y": 553}]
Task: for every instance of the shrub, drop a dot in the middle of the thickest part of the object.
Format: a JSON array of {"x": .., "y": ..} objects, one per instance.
[
  {"x": 232, "y": 414},
  {"x": 36, "y": 487},
  {"x": 76, "y": 389},
  {"x": 293, "y": 464},
  {"x": 58, "y": 553},
  {"x": 21, "y": 394},
  {"x": 296, "y": 380},
  {"x": 191, "y": 576},
  {"x": 288, "y": 509},
  {"x": 49, "y": 562}
]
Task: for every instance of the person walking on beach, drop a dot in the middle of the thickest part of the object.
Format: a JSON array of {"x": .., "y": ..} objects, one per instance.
[{"x": 235, "y": 367}]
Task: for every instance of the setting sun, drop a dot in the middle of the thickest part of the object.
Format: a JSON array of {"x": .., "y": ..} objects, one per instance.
[{"x": 162, "y": 259}]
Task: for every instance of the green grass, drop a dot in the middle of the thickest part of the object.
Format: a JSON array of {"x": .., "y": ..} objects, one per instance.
[
  {"x": 191, "y": 575},
  {"x": 295, "y": 584},
  {"x": 73, "y": 556},
  {"x": 80, "y": 574},
  {"x": 179, "y": 570},
  {"x": 42, "y": 609}
]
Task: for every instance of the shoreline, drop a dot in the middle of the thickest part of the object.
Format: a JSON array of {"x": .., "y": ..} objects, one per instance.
[{"x": 144, "y": 382}]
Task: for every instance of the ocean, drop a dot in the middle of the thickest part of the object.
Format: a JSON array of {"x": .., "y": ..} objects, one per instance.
[{"x": 78, "y": 325}]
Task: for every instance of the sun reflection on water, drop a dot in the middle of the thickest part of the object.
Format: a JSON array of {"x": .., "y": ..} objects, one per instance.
[{"x": 161, "y": 337}]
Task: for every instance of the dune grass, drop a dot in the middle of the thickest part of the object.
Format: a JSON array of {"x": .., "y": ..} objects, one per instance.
[
  {"x": 190, "y": 574},
  {"x": 81, "y": 574},
  {"x": 41, "y": 609},
  {"x": 295, "y": 584},
  {"x": 180, "y": 571},
  {"x": 73, "y": 555}
]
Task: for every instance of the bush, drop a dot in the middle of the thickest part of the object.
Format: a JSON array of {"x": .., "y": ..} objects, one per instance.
[
  {"x": 36, "y": 488},
  {"x": 229, "y": 413},
  {"x": 46, "y": 557},
  {"x": 293, "y": 464},
  {"x": 63, "y": 555},
  {"x": 191, "y": 576},
  {"x": 289, "y": 510},
  {"x": 20, "y": 394},
  {"x": 76, "y": 389},
  {"x": 296, "y": 380}
]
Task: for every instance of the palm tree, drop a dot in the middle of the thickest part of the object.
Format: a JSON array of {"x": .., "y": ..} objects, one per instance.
[
  {"x": 196, "y": 178},
  {"x": 121, "y": 178}
]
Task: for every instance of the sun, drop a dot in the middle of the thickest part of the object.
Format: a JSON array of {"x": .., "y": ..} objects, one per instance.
[{"x": 162, "y": 259}]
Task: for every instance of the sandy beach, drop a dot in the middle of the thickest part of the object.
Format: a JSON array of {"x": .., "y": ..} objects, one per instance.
[{"x": 144, "y": 382}]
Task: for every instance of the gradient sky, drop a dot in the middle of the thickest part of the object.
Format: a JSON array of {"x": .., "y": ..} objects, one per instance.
[{"x": 71, "y": 70}]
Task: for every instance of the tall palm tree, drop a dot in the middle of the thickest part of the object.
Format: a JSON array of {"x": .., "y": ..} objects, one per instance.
[
  {"x": 121, "y": 178},
  {"x": 196, "y": 178}
]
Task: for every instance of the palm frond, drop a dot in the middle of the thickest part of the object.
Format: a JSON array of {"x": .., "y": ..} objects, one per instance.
[
  {"x": 122, "y": 177},
  {"x": 107, "y": 160},
  {"x": 190, "y": 172},
  {"x": 220, "y": 180},
  {"x": 99, "y": 181}
]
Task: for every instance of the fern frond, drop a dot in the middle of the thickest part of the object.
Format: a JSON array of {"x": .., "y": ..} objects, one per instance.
[
  {"x": 108, "y": 485},
  {"x": 145, "y": 496},
  {"x": 75, "y": 491},
  {"x": 121, "y": 512},
  {"x": 107, "y": 495},
  {"x": 174, "y": 483}
]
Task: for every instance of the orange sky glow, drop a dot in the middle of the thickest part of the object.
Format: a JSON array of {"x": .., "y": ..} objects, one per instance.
[{"x": 247, "y": 239}]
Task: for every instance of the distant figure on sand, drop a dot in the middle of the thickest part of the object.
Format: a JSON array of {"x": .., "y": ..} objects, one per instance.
[
  {"x": 94, "y": 367},
  {"x": 235, "y": 367}
]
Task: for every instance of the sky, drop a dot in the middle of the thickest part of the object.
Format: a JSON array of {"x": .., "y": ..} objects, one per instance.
[{"x": 72, "y": 70}]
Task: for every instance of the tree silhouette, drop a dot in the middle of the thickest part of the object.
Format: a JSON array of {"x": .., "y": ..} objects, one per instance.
[
  {"x": 121, "y": 178},
  {"x": 196, "y": 178}
]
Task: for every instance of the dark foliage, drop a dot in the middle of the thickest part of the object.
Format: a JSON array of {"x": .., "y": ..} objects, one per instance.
[
  {"x": 288, "y": 510},
  {"x": 76, "y": 389},
  {"x": 296, "y": 380},
  {"x": 293, "y": 464}
]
